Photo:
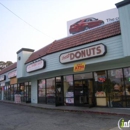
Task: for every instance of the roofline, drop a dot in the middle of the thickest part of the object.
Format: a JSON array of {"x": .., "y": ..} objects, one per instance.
[
  {"x": 9, "y": 69},
  {"x": 25, "y": 49},
  {"x": 67, "y": 48},
  {"x": 122, "y": 3},
  {"x": 27, "y": 62}
]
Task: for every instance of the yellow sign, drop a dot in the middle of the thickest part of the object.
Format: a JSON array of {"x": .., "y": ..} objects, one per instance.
[{"x": 79, "y": 67}]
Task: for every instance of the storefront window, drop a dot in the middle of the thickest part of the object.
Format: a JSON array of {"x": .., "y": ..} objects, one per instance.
[
  {"x": 68, "y": 90},
  {"x": 0, "y": 93},
  {"x": 126, "y": 91},
  {"x": 5, "y": 93},
  {"x": 28, "y": 91},
  {"x": 8, "y": 93},
  {"x": 41, "y": 91},
  {"x": 101, "y": 88},
  {"x": 83, "y": 76},
  {"x": 23, "y": 92},
  {"x": 12, "y": 92},
  {"x": 50, "y": 88},
  {"x": 15, "y": 89},
  {"x": 116, "y": 88}
]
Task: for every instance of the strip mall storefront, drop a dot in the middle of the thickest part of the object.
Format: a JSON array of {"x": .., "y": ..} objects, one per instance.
[
  {"x": 105, "y": 88},
  {"x": 89, "y": 69}
]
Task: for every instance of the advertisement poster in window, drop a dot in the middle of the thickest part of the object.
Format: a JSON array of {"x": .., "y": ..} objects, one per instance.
[{"x": 69, "y": 97}]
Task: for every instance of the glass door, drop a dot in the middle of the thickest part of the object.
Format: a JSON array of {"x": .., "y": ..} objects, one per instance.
[
  {"x": 59, "y": 91},
  {"x": 81, "y": 92}
]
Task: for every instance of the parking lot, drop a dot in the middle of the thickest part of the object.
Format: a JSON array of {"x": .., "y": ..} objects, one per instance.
[{"x": 17, "y": 117}]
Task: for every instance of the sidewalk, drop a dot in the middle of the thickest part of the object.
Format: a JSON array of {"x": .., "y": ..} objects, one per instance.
[{"x": 97, "y": 110}]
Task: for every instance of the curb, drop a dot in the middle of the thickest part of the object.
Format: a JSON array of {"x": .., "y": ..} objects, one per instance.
[{"x": 70, "y": 110}]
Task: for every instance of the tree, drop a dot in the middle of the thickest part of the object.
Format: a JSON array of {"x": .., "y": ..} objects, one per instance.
[{"x": 5, "y": 64}]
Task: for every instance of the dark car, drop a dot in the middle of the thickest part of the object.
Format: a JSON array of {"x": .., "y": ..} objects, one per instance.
[{"x": 85, "y": 24}]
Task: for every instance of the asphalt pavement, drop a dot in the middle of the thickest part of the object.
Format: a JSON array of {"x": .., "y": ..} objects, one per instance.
[{"x": 22, "y": 116}]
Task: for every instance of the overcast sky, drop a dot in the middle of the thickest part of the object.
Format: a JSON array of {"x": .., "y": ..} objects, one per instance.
[{"x": 36, "y": 23}]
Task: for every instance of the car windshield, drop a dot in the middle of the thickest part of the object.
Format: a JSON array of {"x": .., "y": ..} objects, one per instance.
[{"x": 77, "y": 22}]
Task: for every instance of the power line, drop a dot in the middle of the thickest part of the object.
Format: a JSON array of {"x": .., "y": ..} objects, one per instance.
[{"x": 26, "y": 22}]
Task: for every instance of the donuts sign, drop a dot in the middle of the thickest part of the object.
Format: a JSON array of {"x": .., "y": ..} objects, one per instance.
[{"x": 85, "y": 53}]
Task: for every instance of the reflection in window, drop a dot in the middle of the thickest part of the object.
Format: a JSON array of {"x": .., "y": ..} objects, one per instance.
[
  {"x": 68, "y": 90},
  {"x": 50, "y": 85},
  {"x": 41, "y": 91},
  {"x": 41, "y": 88},
  {"x": 83, "y": 76},
  {"x": 116, "y": 87},
  {"x": 127, "y": 81},
  {"x": 101, "y": 78}
]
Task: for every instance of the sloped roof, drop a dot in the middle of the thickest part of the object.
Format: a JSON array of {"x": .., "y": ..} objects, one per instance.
[
  {"x": 11, "y": 67},
  {"x": 95, "y": 34}
]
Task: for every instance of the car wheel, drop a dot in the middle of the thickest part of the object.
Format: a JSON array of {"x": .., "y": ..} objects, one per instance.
[{"x": 86, "y": 28}]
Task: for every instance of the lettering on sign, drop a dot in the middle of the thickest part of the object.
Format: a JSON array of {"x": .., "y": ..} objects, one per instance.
[
  {"x": 85, "y": 53},
  {"x": 12, "y": 74},
  {"x": 36, "y": 66}
]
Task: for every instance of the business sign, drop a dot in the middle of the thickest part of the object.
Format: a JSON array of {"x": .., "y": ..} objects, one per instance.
[
  {"x": 79, "y": 67},
  {"x": 36, "y": 66},
  {"x": 85, "y": 53},
  {"x": 2, "y": 78},
  {"x": 12, "y": 74},
  {"x": 94, "y": 20},
  {"x": 2, "y": 84}
]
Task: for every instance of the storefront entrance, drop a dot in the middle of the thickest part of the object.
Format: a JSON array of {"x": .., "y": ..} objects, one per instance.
[
  {"x": 59, "y": 91},
  {"x": 25, "y": 91},
  {"x": 83, "y": 92}
]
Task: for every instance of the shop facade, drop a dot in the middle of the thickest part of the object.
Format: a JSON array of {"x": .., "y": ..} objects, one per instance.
[{"x": 88, "y": 69}]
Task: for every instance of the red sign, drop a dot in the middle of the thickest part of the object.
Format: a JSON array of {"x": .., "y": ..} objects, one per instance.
[
  {"x": 85, "y": 53},
  {"x": 101, "y": 79}
]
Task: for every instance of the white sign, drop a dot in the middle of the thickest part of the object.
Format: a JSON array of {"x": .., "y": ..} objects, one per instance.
[
  {"x": 12, "y": 74},
  {"x": 2, "y": 84},
  {"x": 69, "y": 97},
  {"x": 35, "y": 66},
  {"x": 2, "y": 78},
  {"x": 85, "y": 53},
  {"x": 94, "y": 20}
]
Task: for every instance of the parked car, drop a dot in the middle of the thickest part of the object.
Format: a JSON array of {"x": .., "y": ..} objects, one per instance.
[{"x": 85, "y": 24}]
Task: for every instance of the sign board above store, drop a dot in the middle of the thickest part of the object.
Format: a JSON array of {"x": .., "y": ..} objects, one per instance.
[
  {"x": 2, "y": 78},
  {"x": 36, "y": 66},
  {"x": 2, "y": 84},
  {"x": 85, "y": 53},
  {"x": 12, "y": 74}
]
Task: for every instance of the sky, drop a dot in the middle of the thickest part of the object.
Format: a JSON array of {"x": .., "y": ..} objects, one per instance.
[{"x": 36, "y": 23}]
